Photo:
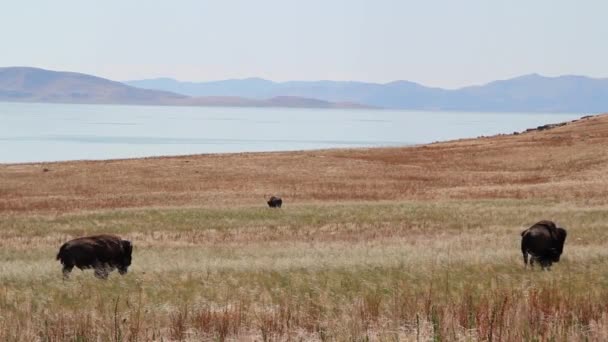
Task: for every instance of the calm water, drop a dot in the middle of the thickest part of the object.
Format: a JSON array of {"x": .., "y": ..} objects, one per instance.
[{"x": 51, "y": 132}]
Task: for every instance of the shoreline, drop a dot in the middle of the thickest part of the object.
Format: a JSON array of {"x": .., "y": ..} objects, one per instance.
[
  {"x": 565, "y": 163},
  {"x": 296, "y": 151}
]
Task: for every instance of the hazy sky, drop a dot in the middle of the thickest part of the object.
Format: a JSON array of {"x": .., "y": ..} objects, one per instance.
[{"x": 437, "y": 43}]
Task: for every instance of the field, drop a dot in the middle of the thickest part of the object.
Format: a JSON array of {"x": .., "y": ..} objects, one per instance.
[{"x": 418, "y": 243}]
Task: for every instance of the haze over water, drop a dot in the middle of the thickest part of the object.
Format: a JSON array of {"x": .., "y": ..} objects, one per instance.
[{"x": 58, "y": 132}]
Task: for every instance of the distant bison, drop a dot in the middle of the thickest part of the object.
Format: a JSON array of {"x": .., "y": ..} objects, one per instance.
[
  {"x": 544, "y": 241},
  {"x": 275, "y": 202},
  {"x": 103, "y": 253}
]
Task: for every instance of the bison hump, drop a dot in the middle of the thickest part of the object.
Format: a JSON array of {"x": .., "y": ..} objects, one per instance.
[{"x": 546, "y": 223}]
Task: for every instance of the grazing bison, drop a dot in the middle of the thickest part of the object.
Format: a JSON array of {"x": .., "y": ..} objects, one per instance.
[
  {"x": 104, "y": 253},
  {"x": 275, "y": 202},
  {"x": 544, "y": 242}
]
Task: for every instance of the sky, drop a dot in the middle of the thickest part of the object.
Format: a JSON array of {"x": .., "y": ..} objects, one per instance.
[{"x": 446, "y": 44}]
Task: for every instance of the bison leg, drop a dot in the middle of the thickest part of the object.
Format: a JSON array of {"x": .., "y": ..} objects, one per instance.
[
  {"x": 101, "y": 272},
  {"x": 545, "y": 265},
  {"x": 66, "y": 271},
  {"x": 525, "y": 253}
]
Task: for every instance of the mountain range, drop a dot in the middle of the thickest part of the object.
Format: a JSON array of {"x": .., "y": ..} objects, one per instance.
[
  {"x": 25, "y": 84},
  {"x": 525, "y": 93},
  {"x": 533, "y": 93}
]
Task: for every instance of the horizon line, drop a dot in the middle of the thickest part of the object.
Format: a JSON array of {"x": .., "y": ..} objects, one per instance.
[
  {"x": 363, "y": 82},
  {"x": 308, "y": 81}
]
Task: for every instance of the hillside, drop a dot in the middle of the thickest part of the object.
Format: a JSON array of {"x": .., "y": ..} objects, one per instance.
[
  {"x": 38, "y": 85},
  {"x": 381, "y": 244},
  {"x": 23, "y": 84},
  {"x": 566, "y": 163},
  {"x": 526, "y": 93}
]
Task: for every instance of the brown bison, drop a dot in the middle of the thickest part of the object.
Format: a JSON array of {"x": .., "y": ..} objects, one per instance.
[
  {"x": 104, "y": 253},
  {"x": 544, "y": 242},
  {"x": 275, "y": 202}
]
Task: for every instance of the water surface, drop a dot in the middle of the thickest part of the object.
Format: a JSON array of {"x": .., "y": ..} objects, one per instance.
[{"x": 53, "y": 132}]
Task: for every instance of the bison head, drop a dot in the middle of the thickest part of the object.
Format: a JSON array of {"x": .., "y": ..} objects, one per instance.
[
  {"x": 560, "y": 235},
  {"x": 125, "y": 261}
]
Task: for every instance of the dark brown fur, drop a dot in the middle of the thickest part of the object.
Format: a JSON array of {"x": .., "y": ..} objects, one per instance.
[
  {"x": 104, "y": 253},
  {"x": 275, "y": 202},
  {"x": 544, "y": 242}
]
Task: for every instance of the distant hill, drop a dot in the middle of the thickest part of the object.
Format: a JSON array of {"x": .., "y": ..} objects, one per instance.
[
  {"x": 38, "y": 85},
  {"x": 277, "y": 101},
  {"x": 24, "y": 84},
  {"x": 526, "y": 93}
]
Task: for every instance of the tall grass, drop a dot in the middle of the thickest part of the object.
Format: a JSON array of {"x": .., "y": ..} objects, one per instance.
[{"x": 353, "y": 271}]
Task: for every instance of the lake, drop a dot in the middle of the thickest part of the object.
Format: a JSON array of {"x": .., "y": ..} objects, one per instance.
[{"x": 53, "y": 132}]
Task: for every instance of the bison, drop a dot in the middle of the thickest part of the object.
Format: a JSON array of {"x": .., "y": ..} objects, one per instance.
[
  {"x": 275, "y": 202},
  {"x": 544, "y": 242},
  {"x": 104, "y": 253}
]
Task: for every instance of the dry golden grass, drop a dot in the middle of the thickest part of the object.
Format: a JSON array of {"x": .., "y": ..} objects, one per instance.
[
  {"x": 390, "y": 244},
  {"x": 383, "y": 271},
  {"x": 565, "y": 163}
]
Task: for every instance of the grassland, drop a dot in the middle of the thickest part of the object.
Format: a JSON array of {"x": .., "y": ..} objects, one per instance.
[{"x": 390, "y": 244}]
